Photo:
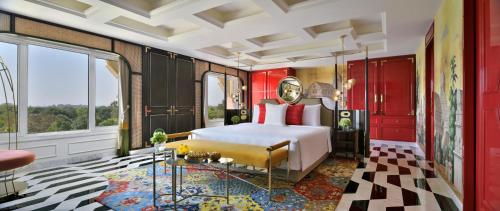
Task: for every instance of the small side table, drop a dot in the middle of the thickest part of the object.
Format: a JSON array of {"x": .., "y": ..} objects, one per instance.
[
  {"x": 176, "y": 162},
  {"x": 346, "y": 141}
]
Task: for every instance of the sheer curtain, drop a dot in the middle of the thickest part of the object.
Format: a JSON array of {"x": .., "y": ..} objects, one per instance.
[{"x": 124, "y": 109}]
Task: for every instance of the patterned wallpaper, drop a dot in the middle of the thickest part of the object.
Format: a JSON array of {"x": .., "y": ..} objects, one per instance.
[{"x": 448, "y": 91}]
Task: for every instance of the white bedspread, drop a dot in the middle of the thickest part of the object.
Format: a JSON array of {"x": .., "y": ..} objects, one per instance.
[{"x": 308, "y": 143}]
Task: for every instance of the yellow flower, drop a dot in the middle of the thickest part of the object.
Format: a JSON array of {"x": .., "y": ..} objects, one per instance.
[{"x": 183, "y": 149}]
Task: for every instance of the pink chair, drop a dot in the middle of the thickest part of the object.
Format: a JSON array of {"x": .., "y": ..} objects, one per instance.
[{"x": 10, "y": 160}]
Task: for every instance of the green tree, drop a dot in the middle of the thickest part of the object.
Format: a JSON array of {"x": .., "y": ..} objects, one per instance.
[
  {"x": 61, "y": 123},
  {"x": 216, "y": 112}
]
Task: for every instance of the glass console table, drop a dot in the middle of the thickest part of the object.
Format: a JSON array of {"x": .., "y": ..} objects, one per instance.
[{"x": 175, "y": 162}]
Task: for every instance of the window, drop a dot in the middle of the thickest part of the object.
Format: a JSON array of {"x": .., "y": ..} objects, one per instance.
[
  {"x": 8, "y": 53},
  {"x": 58, "y": 90},
  {"x": 214, "y": 99},
  {"x": 106, "y": 104},
  {"x": 233, "y": 92}
]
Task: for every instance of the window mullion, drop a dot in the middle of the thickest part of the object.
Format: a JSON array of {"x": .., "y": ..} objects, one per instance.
[
  {"x": 92, "y": 91},
  {"x": 22, "y": 91}
]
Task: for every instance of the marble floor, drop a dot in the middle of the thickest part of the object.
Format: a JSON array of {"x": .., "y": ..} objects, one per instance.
[
  {"x": 396, "y": 177},
  {"x": 70, "y": 187}
]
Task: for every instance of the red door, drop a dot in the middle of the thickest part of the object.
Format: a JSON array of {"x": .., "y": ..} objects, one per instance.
[
  {"x": 429, "y": 101},
  {"x": 488, "y": 106},
  {"x": 356, "y": 95},
  {"x": 397, "y": 87},
  {"x": 356, "y": 70},
  {"x": 273, "y": 79},
  {"x": 259, "y": 83},
  {"x": 397, "y": 98}
]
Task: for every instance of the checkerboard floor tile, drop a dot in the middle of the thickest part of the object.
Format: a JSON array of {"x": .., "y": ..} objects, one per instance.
[{"x": 396, "y": 177}]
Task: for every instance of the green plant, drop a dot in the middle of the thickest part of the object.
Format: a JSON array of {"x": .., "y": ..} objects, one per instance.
[
  {"x": 235, "y": 119},
  {"x": 158, "y": 137},
  {"x": 345, "y": 123}
]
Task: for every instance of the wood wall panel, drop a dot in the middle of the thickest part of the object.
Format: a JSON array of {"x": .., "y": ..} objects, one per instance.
[
  {"x": 218, "y": 68},
  {"x": 42, "y": 30},
  {"x": 231, "y": 71},
  {"x": 197, "y": 105},
  {"x": 132, "y": 52},
  {"x": 200, "y": 68},
  {"x": 4, "y": 22},
  {"x": 136, "y": 111}
]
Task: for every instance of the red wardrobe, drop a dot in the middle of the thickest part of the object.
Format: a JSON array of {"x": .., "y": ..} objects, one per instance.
[
  {"x": 392, "y": 98},
  {"x": 265, "y": 82}
]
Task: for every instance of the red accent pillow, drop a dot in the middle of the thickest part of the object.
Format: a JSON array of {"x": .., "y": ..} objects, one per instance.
[
  {"x": 294, "y": 114},
  {"x": 262, "y": 113}
]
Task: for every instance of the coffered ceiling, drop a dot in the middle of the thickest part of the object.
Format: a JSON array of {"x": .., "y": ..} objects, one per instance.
[{"x": 264, "y": 33}]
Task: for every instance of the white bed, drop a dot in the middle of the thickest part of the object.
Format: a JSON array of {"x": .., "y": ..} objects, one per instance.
[{"x": 309, "y": 144}]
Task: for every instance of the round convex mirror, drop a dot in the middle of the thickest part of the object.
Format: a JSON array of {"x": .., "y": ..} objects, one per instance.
[{"x": 290, "y": 90}]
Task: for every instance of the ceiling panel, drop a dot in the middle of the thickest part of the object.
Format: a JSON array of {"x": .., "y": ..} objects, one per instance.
[{"x": 263, "y": 32}]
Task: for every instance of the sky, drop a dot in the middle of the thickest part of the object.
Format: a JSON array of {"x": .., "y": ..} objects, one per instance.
[
  {"x": 61, "y": 77},
  {"x": 215, "y": 93}
]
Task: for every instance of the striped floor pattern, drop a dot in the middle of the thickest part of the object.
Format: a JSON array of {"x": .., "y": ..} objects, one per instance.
[{"x": 69, "y": 187}]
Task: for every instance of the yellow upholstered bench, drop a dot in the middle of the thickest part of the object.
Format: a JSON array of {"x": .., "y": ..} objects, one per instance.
[{"x": 253, "y": 155}]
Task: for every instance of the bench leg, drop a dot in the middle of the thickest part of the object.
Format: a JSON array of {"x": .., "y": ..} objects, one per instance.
[
  {"x": 269, "y": 174},
  {"x": 288, "y": 165}
]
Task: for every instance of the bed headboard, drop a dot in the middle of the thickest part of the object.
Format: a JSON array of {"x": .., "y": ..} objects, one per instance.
[{"x": 326, "y": 114}]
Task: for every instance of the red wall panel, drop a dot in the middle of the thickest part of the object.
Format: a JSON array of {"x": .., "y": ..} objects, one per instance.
[
  {"x": 488, "y": 106},
  {"x": 265, "y": 83}
]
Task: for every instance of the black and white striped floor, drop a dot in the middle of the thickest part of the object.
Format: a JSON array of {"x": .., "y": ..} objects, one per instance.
[{"x": 70, "y": 187}]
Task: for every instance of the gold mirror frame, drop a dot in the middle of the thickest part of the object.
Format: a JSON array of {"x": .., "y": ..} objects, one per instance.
[{"x": 300, "y": 95}]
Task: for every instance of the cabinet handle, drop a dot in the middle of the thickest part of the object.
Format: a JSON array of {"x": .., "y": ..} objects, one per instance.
[
  {"x": 172, "y": 110},
  {"x": 147, "y": 111},
  {"x": 375, "y": 98},
  {"x": 381, "y": 98}
]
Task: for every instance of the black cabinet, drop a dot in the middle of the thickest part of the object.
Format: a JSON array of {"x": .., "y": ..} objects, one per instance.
[
  {"x": 167, "y": 92},
  {"x": 346, "y": 142}
]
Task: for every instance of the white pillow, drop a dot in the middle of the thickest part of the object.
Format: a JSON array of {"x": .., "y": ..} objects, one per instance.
[
  {"x": 312, "y": 115},
  {"x": 255, "y": 114},
  {"x": 276, "y": 114}
]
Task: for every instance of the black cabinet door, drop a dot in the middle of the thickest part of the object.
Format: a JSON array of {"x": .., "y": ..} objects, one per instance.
[
  {"x": 184, "y": 94},
  {"x": 168, "y": 93},
  {"x": 157, "y": 112}
]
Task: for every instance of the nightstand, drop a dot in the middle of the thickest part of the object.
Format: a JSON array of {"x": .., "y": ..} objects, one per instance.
[{"x": 346, "y": 142}]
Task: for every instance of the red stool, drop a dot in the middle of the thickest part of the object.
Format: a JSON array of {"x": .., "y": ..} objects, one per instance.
[{"x": 10, "y": 160}]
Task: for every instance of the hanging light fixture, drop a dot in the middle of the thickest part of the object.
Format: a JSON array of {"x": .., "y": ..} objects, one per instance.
[
  {"x": 237, "y": 93},
  {"x": 340, "y": 92}
]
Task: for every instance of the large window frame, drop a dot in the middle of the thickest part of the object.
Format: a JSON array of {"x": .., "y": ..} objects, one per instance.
[
  {"x": 227, "y": 92},
  {"x": 22, "y": 87},
  {"x": 207, "y": 120}
]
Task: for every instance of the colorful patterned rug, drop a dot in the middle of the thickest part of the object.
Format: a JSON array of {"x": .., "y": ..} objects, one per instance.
[{"x": 320, "y": 190}]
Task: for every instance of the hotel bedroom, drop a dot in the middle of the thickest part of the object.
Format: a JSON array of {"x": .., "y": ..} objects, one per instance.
[{"x": 249, "y": 105}]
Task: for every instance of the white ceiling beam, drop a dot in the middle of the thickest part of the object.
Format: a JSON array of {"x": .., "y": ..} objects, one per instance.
[
  {"x": 186, "y": 10},
  {"x": 271, "y": 7}
]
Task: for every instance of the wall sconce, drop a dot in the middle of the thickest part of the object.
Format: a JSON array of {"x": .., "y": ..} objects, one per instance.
[
  {"x": 244, "y": 88},
  {"x": 337, "y": 95}
]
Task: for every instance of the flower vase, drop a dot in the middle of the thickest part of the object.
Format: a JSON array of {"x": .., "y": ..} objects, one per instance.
[{"x": 157, "y": 147}]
